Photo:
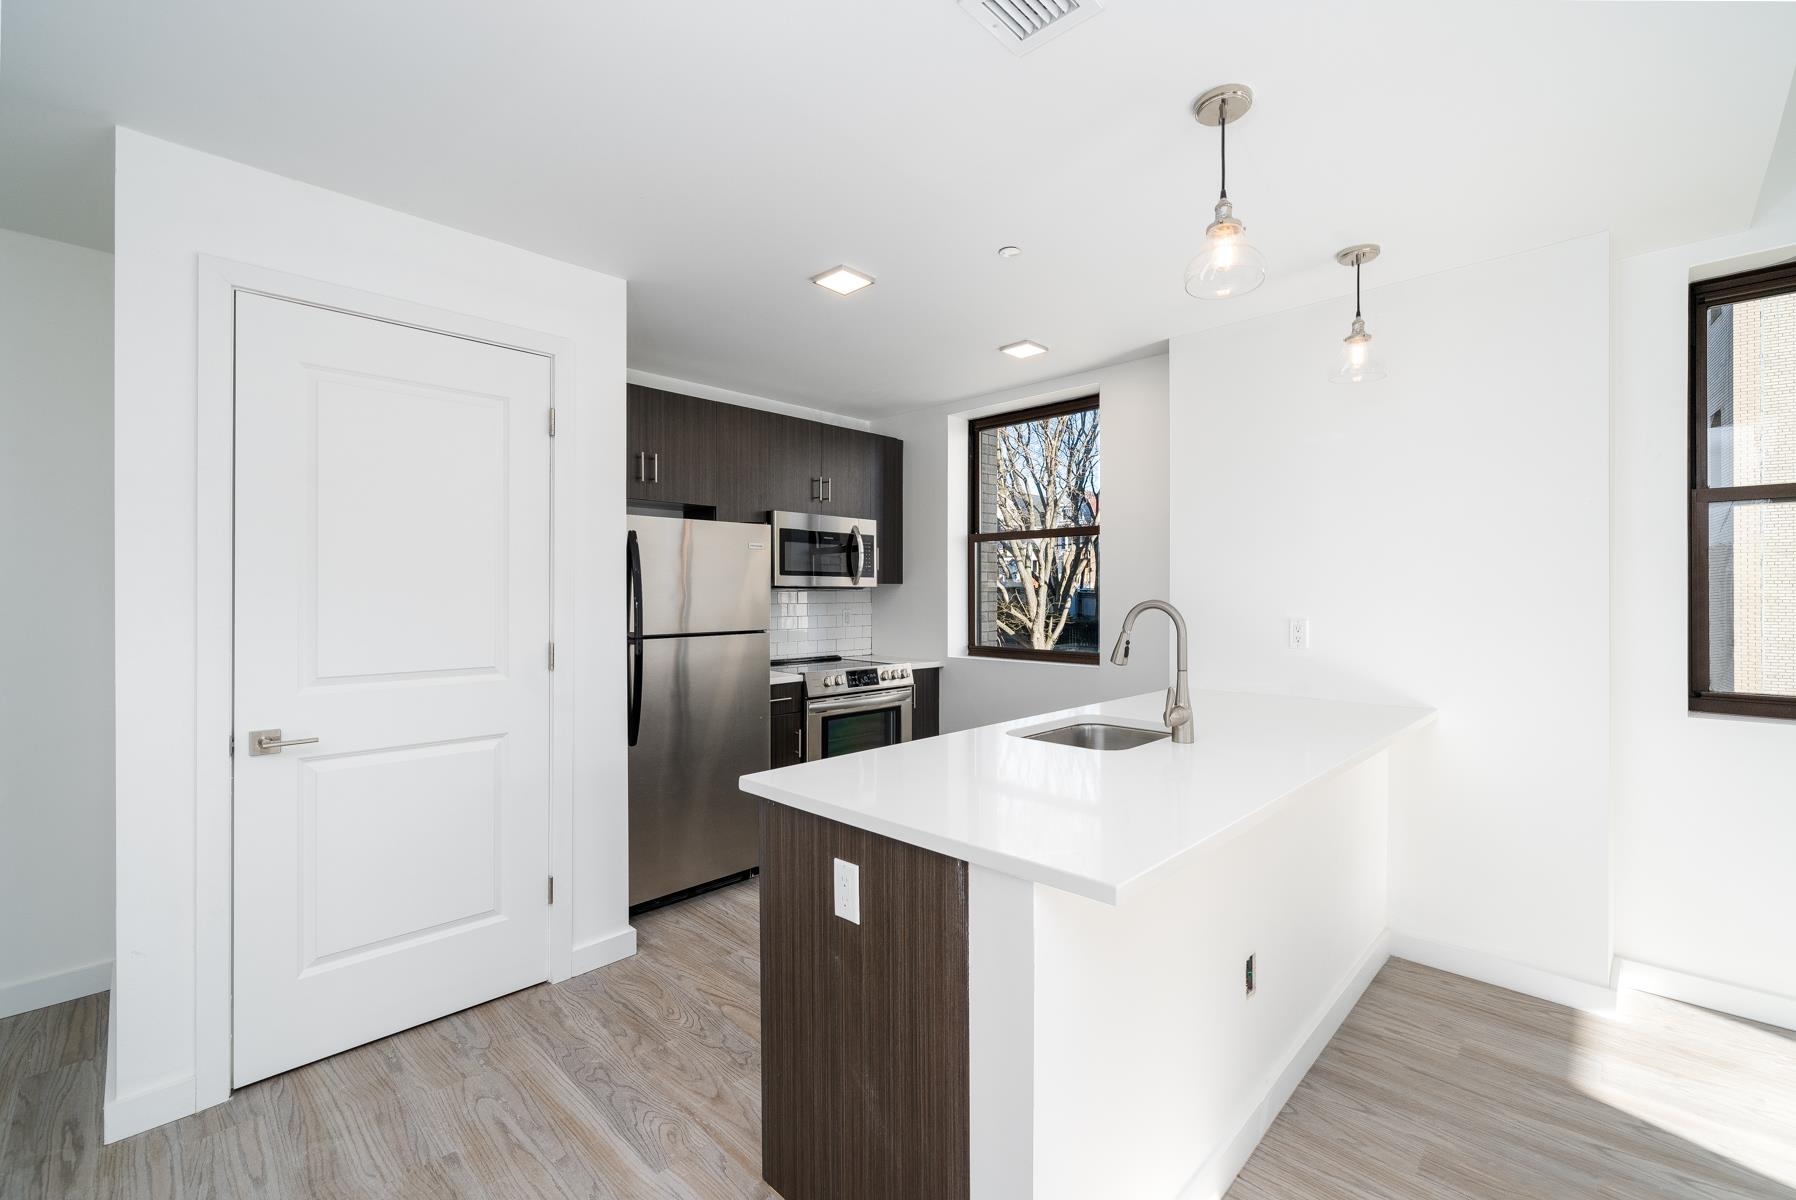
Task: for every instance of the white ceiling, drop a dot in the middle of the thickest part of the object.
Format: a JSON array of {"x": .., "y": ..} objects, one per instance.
[{"x": 717, "y": 154}]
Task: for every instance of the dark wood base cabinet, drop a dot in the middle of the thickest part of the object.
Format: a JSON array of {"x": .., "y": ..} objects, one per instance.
[
  {"x": 926, "y": 713},
  {"x": 863, "y": 1027}
]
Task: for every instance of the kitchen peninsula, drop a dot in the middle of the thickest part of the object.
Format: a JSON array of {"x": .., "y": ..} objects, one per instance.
[{"x": 1054, "y": 971}]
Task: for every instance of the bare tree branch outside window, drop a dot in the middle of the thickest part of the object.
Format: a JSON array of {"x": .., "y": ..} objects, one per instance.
[{"x": 1034, "y": 551}]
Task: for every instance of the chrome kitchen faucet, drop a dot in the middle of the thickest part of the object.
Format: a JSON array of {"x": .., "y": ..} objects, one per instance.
[{"x": 1178, "y": 696}]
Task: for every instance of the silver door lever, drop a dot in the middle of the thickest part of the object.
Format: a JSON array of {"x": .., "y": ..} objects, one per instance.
[{"x": 269, "y": 741}]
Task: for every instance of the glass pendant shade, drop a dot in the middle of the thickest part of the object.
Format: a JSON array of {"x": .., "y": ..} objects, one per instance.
[
  {"x": 1358, "y": 365},
  {"x": 1228, "y": 265}
]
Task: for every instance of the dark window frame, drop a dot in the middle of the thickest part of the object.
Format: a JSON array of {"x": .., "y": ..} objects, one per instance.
[
  {"x": 1704, "y": 295},
  {"x": 975, "y": 537}
]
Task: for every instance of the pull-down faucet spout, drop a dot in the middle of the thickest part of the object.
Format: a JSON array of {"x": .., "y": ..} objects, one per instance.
[{"x": 1178, "y": 696}]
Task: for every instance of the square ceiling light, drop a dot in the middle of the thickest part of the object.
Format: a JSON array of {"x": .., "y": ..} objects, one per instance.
[
  {"x": 843, "y": 281},
  {"x": 1023, "y": 349}
]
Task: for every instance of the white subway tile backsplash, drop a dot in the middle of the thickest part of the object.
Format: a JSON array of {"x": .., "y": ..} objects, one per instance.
[{"x": 825, "y": 621}]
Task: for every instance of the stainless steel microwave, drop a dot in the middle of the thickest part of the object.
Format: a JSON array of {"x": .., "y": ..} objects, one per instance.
[{"x": 812, "y": 550}]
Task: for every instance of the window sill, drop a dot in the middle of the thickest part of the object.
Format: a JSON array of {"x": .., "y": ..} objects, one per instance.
[
  {"x": 1059, "y": 661},
  {"x": 1774, "y": 707}
]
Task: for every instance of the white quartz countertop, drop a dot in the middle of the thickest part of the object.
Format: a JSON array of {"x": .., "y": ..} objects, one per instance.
[
  {"x": 775, "y": 677},
  {"x": 1096, "y": 823},
  {"x": 917, "y": 664}
]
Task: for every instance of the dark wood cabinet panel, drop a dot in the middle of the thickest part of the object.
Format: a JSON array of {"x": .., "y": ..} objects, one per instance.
[
  {"x": 797, "y": 981},
  {"x": 786, "y": 724},
  {"x": 790, "y": 478},
  {"x": 884, "y": 1004},
  {"x": 889, "y": 508},
  {"x": 926, "y": 717},
  {"x": 642, "y": 429},
  {"x": 899, "y": 1084},
  {"x": 740, "y": 464},
  {"x": 848, "y": 465}
]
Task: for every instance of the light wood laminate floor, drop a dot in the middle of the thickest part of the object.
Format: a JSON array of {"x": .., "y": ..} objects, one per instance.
[{"x": 641, "y": 1080}]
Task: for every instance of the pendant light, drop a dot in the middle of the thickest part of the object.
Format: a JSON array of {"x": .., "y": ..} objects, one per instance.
[
  {"x": 1357, "y": 364},
  {"x": 1228, "y": 265}
]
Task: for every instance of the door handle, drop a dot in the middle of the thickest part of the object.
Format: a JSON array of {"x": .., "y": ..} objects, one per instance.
[
  {"x": 642, "y": 466},
  {"x": 269, "y": 741},
  {"x": 817, "y": 489},
  {"x": 655, "y": 461},
  {"x": 829, "y": 490},
  {"x": 798, "y": 743}
]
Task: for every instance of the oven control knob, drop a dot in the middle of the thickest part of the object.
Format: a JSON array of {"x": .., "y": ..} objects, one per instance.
[
  {"x": 885, "y": 673},
  {"x": 905, "y": 671},
  {"x": 838, "y": 679}
]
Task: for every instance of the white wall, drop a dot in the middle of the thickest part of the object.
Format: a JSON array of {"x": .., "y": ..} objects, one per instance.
[
  {"x": 55, "y": 621},
  {"x": 172, "y": 205},
  {"x": 925, "y": 617},
  {"x": 1446, "y": 533},
  {"x": 1705, "y": 805}
]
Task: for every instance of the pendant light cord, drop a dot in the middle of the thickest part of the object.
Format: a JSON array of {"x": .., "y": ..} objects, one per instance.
[
  {"x": 1356, "y": 312},
  {"x": 1222, "y": 127}
]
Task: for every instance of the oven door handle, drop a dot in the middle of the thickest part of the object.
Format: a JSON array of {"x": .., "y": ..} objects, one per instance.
[
  {"x": 857, "y": 552},
  {"x": 865, "y": 700}
]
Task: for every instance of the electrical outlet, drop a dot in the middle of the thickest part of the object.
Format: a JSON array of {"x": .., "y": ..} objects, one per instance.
[
  {"x": 1297, "y": 633},
  {"x": 1250, "y": 981},
  {"x": 848, "y": 891}
]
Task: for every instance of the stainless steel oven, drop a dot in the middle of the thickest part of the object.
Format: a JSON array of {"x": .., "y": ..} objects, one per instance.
[
  {"x": 841, "y": 725},
  {"x": 854, "y": 704},
  {"x": 811, "y": 550}
]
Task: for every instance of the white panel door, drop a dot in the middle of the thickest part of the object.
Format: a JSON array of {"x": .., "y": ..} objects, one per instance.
[{"x": 392, "y": 601}]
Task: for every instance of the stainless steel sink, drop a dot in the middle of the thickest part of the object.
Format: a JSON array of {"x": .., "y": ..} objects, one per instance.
[{"x": 1095, "y": 735}]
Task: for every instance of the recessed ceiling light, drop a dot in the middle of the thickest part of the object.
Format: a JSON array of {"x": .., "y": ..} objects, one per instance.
[
  {"x": 1024, "y": 349},
  {"x": 1009, "y": 251},
  {"x": 843, "y": 281}
]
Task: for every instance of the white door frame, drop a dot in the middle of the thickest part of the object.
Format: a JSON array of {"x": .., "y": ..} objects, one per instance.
[{"x": 215, "y": 437}]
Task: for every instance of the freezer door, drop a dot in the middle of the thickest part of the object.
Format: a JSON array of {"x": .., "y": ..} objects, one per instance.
[
  {"x": 703, "y": 725},
  {"x": 703, "y": 576}
]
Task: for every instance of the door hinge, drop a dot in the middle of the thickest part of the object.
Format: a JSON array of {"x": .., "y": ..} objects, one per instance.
[
  {"x": 232, "y": 752},
  {"x": 551, "y": 656},
  {"x": 551, "y": 422},
  {"x": 551, "y": 889}
]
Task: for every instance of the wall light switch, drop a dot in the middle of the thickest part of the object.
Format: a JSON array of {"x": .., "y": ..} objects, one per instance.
[
  {"x": 1297, "y": 633},
  {"x": 848, "y": 891}
]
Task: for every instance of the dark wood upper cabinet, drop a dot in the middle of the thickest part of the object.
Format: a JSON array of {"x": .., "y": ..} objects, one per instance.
[
  {"x": 739, "y": 464},
  {"x": 672, "y": 453}
]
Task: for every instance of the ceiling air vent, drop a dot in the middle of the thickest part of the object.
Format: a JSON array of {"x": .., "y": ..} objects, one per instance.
[{"x": 1022, "y": 25}]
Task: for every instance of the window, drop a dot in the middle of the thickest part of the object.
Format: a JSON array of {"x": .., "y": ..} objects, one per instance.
[
  {"x": 1032, "y": 546},
  {"x": 1743, "y": 494}
]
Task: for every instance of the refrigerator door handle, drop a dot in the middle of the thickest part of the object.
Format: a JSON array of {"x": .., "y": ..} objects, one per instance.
[
  {"x": 633, "y": 582},
  {"x": 635, "y": 689}
]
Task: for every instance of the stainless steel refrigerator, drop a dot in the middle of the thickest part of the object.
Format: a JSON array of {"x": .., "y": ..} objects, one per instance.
[{"x": 697, "y": 679}]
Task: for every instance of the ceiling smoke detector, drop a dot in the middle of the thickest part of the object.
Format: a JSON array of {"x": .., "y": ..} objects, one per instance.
[{"x": 1022, "y": 25}]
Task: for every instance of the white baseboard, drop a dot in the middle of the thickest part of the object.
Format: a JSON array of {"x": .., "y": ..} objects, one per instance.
[
  {"x": 1218, "y": 1172},
  {"x": 54, "y": 988},
  {"x": 1768, "y": 1008},
  {"x": 1505, "y": 973},
  {"x": 147, "y": 1108},
  {"x": 588, "y": 956}
]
